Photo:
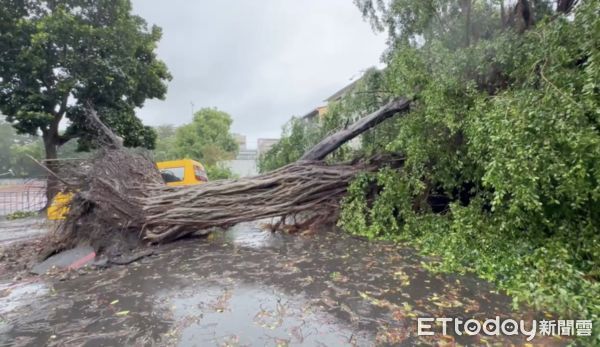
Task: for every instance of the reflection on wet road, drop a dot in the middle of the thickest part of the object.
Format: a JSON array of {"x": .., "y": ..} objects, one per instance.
[
  {"x": 246, "y": 314},
  {"x": 249, "y": 287}
]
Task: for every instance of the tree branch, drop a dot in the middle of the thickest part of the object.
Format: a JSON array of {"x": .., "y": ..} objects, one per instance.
[
  {"x": 63, "y": 105},
  {"x": 50, "y": 172},
  {"x": 334, "y": 141},
  {"x": 565, "y": 6}
]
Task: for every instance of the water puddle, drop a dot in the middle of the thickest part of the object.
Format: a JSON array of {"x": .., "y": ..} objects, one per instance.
[
  {"x": 17, "y": 300},
  {"x": 252, "y": 315},
  {"x": 251, "y": 236},
  {"x": 251, "y": 287},
  {"x": 14, "y": 296}
]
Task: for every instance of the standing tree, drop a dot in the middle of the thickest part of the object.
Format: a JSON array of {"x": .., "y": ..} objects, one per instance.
[
  {"x": 165, "y": 142},
  {"x": 56, "y": 56},
  {"x": 207, "y": 138}
]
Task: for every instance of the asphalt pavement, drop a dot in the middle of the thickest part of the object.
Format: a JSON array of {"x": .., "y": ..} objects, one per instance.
[{"x": 248, "y": 287}]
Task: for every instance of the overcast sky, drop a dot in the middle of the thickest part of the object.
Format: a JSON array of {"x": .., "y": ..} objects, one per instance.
[{"x": 260, "y": 61}]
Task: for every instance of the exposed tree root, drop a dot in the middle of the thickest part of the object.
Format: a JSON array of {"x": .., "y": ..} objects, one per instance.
[{"x": 121, "y": 201}]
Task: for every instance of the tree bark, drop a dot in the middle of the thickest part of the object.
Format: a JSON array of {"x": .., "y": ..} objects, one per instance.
[
  {"x": 334, "y": 141},
  {"x": 51, "y": 140},
  {"x": 50, "y": 148},
  {"x": 523, "y": 17},
  {"x": 121, "y": 198},
  {"x": 565, "y": 6}
]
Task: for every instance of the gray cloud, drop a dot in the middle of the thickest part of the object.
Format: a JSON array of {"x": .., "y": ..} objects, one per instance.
[{"x": 261, "y": 61}]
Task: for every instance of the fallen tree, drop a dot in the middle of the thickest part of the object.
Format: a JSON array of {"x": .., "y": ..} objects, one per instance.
[{"x": 121, "y": 202}]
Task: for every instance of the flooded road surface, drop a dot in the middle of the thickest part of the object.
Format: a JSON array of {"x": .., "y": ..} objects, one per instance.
[{"x": 247, "y": 287}]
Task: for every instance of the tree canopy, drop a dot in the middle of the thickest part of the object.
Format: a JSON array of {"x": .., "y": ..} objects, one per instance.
[
  {"x": 207, "y": 139},
  {"x": 58, "y": 56},
  {"x": 456, "y": 23},
  {"x": 165, "y": 142},
  {"x": 502, "y": 143}
]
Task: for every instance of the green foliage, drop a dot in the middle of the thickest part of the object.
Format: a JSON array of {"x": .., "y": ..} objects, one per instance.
[
  {"x": 165, "y": 143},
  {"x": 412, "y": 22},
  {"x": 219, "y": 172},
  {"x": 207, "y": 138},
  {"x": 16, "y": 150},
  {"x": 72, "y": 150},
  {"x": 375, "y": 204},
  {"x": 506, "y": 129},
  {"x": 546, "y": 272},
  {"x": 298, "y": 136},
  {"x": 21, "y": 215},
  {"x": 301, "y": 134},
  {"x": 59, "y": 55},
  {"x": 21, "y": 163}
]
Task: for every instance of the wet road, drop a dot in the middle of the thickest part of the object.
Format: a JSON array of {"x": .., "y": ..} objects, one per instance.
[
  {"x": 247, "y": 287},
  {"x": 21, "y": 229}
]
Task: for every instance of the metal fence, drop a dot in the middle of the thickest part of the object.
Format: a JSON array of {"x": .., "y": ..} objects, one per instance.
[{"x": 27, "y": 196}]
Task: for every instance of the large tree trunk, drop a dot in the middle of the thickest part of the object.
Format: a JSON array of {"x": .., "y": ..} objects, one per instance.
[
  {"x": 565, "y": 6},
  {"x": 334, "y": 141},
  {"x": 51, "y": 150},
  {"x": 121, "y": 201},
  {"x": 523, "y": 16}
]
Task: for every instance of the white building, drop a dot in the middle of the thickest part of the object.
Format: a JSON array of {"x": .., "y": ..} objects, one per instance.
[
  {"x": 264, "y": 145},
  {"x": 244, "y": 164}
]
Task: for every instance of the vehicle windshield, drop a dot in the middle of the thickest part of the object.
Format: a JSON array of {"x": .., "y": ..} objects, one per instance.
[{"x": 172, "y": 174}]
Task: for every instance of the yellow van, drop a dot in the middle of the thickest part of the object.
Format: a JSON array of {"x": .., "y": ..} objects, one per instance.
[{"x": 184, "y": 172}]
